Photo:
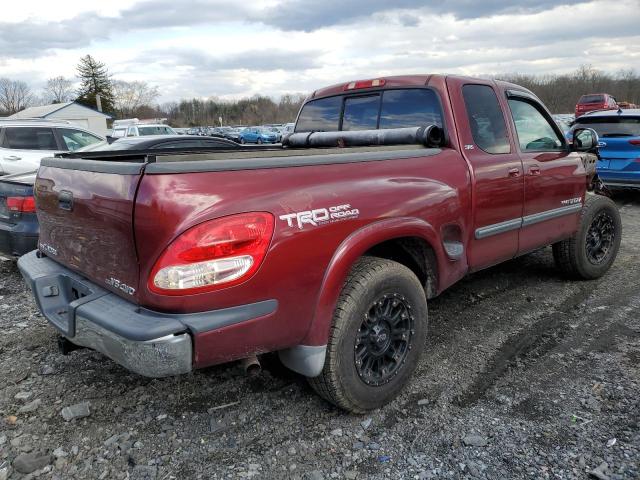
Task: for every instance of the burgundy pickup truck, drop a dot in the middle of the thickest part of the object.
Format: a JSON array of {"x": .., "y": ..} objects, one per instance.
[{"x": 325, "y": 250}]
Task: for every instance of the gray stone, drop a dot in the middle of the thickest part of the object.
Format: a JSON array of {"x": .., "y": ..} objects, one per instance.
[
  {"x": 337, "y": 432},
  {"x": 59, "y": 452},
  {"x": 366, "y": 423},
  {"x": 23, "y": 396},
  {"x": 79, "y": 410},
  {"x": 315, "y": 475},
  {"x": 423, "y": 401},
  {"x": 4, "y": 473},
  {"x": 30, "y": 407},
  {"x": 475, "y": 441},
  {"x": 144, "y": 472},
  {"x": 30, "y": 462}
]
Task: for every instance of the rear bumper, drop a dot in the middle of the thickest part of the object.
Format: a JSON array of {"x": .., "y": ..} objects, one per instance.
[
  {"x": 149, "y": 343},
  {"x": 15, "y": 240}
]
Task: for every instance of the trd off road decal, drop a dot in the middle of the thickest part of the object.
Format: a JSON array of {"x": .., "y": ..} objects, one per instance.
[{"x": 320, "y": 216}]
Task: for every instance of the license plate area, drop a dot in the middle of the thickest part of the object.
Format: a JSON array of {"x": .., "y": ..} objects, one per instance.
[{"x": 58, "y": 296}]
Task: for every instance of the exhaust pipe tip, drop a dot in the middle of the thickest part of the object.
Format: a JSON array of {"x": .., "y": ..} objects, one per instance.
[{"x": 251, "y": 365}]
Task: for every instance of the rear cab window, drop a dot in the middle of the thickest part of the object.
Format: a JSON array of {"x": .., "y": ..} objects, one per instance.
[{"x": 393, "y": 108}]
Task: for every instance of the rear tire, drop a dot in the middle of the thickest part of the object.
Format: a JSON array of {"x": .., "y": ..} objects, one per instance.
[
  {"x": 594, "y": 247},
  {"x": 378, "y": 334}
]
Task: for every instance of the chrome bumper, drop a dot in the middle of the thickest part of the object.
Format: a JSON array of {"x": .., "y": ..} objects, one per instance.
[{"x": 147, "y": 343}]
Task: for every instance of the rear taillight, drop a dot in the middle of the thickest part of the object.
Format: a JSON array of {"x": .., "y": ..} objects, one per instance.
[
  {"x": 213, "y": 255},
  {"x": 635, "y": 142},
  {"x": 21, "y": 204}
]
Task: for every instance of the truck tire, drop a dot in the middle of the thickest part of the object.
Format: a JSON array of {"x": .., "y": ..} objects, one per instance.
[
  {"x": 591, "y": 251},
  {"x": 377, "y": 336}
]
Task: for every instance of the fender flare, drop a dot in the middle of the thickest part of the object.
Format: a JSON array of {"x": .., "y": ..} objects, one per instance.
[{"x": 352, "y": 248}]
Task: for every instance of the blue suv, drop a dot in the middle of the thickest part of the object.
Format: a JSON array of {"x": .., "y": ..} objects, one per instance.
[
  {"x": 258, "y": 135},
  {"x": 619, "y": 133}
]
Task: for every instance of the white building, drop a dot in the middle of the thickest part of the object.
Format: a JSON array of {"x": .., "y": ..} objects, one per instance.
[{"x": 72, "y": 112}]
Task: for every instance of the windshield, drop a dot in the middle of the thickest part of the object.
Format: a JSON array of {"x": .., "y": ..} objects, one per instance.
[
  {"x": 612, "y": 126},
  {"x": 155, "y": 130}
]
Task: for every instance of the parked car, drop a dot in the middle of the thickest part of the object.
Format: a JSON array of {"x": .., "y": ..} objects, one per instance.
[
  {"x": 327, "y": 255},
  {"x": 181, "y": 131},
  {"x": 161, "y": 142},
  {"x": 134, "y": 128},
  {"x": 23, "y": 143},
  {"x": 258, "y": 135},
  {"x": 619, "y": 132},
  {"x": 595, "y": 101},
  {"x": 18, "y": 221}
]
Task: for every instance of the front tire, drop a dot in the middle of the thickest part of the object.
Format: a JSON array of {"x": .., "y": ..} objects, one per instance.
[
  {"x": 592, "y": 250},
  {"x": 378, "y": 334}
]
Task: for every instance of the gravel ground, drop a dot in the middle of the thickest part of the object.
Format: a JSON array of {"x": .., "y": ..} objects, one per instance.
[{"x": 526, "y": 375}]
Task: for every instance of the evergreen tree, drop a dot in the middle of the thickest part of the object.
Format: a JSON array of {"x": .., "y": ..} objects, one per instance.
[{"x": 95, "y": 79}]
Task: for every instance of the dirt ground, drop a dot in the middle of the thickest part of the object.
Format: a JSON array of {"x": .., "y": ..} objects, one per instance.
[{"x": 526, "y": 375}]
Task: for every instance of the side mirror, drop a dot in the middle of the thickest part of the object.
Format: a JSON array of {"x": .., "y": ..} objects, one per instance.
[
  {"x": 585, "y": 140},
  {"x": 110, "y": 139}
]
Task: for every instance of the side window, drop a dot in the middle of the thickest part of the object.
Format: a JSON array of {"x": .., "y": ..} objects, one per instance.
[
  {"x": 131, "y": 132},
  {"x": 30, "y": 138},
  {"x": 75, "y": 139},
  {"x": 361, "y": 113},
  {"x": 487, "y": 123},
  {"x": 535, "y": 133},
  {"x": 410, "y": 108}
]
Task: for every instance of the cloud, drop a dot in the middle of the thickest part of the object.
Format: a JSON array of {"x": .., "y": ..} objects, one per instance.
[
  {"x": 308, "y": 16},
  {"x": 254, "y": 60},
  {"x": 36, "y": 38}
]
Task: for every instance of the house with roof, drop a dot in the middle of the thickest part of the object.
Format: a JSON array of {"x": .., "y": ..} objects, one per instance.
[{"x": 72, "y": 112}]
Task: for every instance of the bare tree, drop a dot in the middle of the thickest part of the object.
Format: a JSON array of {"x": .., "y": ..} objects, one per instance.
[
  {"x": 131, "y": 96},
  {"x": 59, "y": 90},
  {"x": 15, "y": 95}
]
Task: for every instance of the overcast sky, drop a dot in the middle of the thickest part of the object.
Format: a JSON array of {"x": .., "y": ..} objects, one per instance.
[{"x": 232, "y": 49}]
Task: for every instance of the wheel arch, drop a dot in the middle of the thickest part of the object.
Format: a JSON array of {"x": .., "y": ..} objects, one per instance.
[{"x": 410, "y": 241}]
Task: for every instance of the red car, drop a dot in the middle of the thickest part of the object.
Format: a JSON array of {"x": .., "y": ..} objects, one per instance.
[
  {"x": 595, "y": 101},
  {"x": 327, "y": 250}
]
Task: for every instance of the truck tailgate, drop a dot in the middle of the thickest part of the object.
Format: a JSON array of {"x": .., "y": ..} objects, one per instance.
[{"x": 85, "y": 210}]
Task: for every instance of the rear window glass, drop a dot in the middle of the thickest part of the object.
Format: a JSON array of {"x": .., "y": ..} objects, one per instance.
[
  {"x": 361, "y": 113},
  {"x": 400, "y": 108},
  {"x": 592, "y": 99},
  {"x": 611, "y": 127},
  {"x": 30, "y": 138},
  {"x": 410, "y": 108}
]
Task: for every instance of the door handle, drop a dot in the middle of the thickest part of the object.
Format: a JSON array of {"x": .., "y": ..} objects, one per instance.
[
  {"x": 534, "y": 170},
  {"x": 13, "y": 158},
  {"x": 514, "y": 172}
]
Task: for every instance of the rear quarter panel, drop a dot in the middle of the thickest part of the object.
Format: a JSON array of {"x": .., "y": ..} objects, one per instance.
[{"x": 432, "y": 189}]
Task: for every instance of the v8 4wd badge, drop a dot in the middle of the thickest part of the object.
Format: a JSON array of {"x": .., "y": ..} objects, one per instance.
[{"x": 320, "y": 216}]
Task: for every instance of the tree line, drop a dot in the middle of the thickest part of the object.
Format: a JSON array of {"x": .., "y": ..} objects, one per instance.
[
  {"x": 125, "y": 99},
  {"x": 560, "y": 93}
]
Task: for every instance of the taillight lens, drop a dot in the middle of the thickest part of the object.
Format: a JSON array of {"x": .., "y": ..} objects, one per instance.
[
  {"x": 635, "y": 142},
  {"x": 213, "y": 255},
  {"x": 21, "y": 204}
]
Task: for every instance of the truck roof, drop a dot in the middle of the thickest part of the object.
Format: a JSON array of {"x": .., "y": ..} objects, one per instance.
[{"x": 385, "y": 82}]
